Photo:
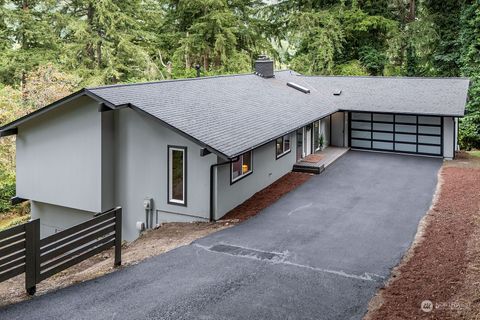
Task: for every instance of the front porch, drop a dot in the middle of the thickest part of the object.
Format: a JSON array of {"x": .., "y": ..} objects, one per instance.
[{"x": 318, "y": 161}]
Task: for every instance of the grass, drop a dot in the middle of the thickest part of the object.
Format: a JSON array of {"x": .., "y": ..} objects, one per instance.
[
  {"x": 10, "y": 220},
  {"x": 475, "y": 153}
]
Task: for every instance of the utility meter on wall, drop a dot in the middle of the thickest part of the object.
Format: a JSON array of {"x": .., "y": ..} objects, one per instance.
[{"x": 148, "y": 203}]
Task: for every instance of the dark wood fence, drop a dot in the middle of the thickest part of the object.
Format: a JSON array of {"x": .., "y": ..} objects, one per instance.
[{"x": 22, "y": 250}]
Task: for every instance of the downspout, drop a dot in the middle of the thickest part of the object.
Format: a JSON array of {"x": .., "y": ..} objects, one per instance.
[{"x": 212, "y": 190}]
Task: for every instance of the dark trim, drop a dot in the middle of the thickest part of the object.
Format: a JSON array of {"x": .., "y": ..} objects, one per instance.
[
  {"x": 278, "y": 156},
  {"x": 433, "y": 155},
  {"x": 212, "y": 188},
  {"x": 104, "y": 108},
  {"x": 17, "y": 200},
  {"x": 204, "y": 152},
  {"x": 9, "y": 132},
  {"x": 185, "y": 181},
  {"x": 43, "y": 110},
  {"x": 402, "y": 123},
  {"x": 243, "y": 175},
  {"x": 399, "y": 132},
  {"x": 403, "y": 113}
]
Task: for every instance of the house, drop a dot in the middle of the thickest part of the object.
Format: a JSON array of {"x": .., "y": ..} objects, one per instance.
[{"x": 193, "y": 149}]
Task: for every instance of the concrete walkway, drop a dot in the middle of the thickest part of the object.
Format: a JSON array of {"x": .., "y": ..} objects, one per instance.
[{"x": 320, "y": 252}]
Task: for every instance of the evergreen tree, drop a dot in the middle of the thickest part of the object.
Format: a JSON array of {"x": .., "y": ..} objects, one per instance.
[{"x": 29, "y": 38}]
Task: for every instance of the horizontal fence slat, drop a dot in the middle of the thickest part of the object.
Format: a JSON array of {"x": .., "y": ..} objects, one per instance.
[
  {"x": 12, "y": 231},
  {"x": 77, "y": 252},
  {"x": 79, "y": 227},
  {"x": 76, "y": 260},
  {"x": 9, "y": 241},
  {"x": 74, "y": 244},
  {"x": 12, "y": 257},
  {"x": 12, "y": 273},
  {"x": 13, "y": 263},
  {"x": 11, "y": 249},
  {"x": 76, "y": 236}
]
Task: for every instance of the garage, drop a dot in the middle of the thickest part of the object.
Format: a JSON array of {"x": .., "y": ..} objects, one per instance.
[{"x": 403, "y": 133}]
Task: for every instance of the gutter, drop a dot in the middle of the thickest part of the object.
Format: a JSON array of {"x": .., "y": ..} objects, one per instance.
[{"x": 212, "y": 189}]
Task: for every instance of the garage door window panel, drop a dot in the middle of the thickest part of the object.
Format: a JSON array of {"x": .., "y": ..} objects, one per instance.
[
  {"x": 361, "y": 134},
  {"x": 405, "y": 128},
  {"x": 361, "y": 143},
  {"x": 382, "y": 145},
  {"x": 382, "y": 136},
  {"x": 429, "y": 130},
  {"x": 379, "y": 117},
  {"x": 405, "y": 137},
  {"x": 429, "y": 149},
  {"x": 383, "y": 126},
  {"x": 361, "y": 125},
  {"x": 430, "y": 120},
  {"x": 429, "y": 140},
  {"x": 361, "y": 116},
  {"x": 405, "y": 119},
  {"x": 403, "y": 147}
]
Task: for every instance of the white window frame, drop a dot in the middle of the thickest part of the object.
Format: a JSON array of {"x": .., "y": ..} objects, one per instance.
[
  {"x": 170, "y": 175},
  {"x": 242, "y": 175},
  {"x": 285, "y": 151}
]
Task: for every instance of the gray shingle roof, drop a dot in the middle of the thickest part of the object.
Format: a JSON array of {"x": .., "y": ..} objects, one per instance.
[
  {"x": 233, "y": 114},
  {"x": 436, "y": 96}
]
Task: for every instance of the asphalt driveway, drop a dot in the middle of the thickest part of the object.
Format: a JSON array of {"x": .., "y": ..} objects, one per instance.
[{"x": 320, "y": 252}]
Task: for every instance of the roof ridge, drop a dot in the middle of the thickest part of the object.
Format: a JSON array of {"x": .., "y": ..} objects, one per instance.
[
  {"x": 383, "y": 77},
  {"x": 170, "y": 80}
]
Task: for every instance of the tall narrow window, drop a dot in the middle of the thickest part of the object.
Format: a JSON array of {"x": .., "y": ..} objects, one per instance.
[
  {"x": 242, "y": 167},
  {"x": 177, "y": 157},
  {"x": 282, "y": 146},
  {"x": 316, "y": 135}
]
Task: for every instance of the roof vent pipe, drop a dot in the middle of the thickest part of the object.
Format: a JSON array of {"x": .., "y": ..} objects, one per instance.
[
  {"x": 298, "y": 87},
  {"x": 264, "y": 67}
]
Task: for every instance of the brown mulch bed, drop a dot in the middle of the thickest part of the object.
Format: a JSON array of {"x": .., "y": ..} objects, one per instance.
[
  {"x": 267, "y": 196},
  {"x": 443, "y": 265}
]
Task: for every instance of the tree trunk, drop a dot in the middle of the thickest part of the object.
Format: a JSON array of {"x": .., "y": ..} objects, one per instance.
[
  {"x": 411, "y": 11},
  {"x": 90, "y": 46},
  {"x": 23, "y": 81}
]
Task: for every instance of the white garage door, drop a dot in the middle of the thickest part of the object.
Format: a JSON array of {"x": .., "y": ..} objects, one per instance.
[{"x": 396, "y": 133}]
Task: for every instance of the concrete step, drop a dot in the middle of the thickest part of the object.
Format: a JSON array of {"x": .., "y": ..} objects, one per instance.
[{"x": 308, "y": 168}]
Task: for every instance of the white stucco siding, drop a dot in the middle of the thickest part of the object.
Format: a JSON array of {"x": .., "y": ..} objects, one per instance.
[
  {"x": 265, "y": 171},
  {"x": 141, "y": 151},
  {"x": 59, "y": 157}
]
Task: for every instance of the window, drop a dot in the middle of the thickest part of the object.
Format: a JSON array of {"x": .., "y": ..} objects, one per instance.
[
  {"x": 316, "y": 135},
  {"x": 242, "y": 167},
  {"x": 177, "y": 158},
  {"x": 282, "y": 146}
]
